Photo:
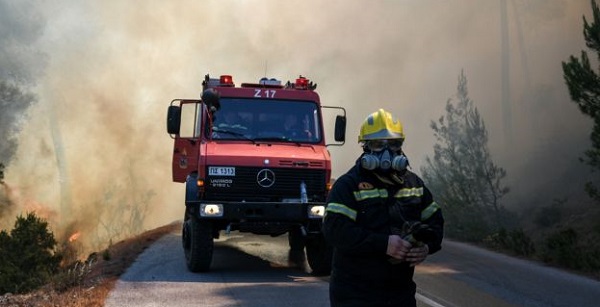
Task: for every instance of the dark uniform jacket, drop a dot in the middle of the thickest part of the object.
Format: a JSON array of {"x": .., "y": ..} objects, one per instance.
[{"x": 363, "y": 209}]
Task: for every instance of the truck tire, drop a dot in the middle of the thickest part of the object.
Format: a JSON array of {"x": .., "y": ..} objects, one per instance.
[
  {"x": 296, "y": 239},
  {"x": 319, "y": 255},
  {"x": 198, "y": 244}
]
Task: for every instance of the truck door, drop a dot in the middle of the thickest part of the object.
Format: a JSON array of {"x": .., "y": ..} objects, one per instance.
[{"x": 187, "y": 143}]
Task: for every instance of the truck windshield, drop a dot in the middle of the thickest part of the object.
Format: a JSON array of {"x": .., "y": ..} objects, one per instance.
[{"x": 267, "y": 120}]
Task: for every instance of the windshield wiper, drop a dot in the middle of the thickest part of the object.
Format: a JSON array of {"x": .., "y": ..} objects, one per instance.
[
  {"x": 277, "y": 139},
  {"x": 271, "y": 138},
  {"x": 234, "y": 133}
]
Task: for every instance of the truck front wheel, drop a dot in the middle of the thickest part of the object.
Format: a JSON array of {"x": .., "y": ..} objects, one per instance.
[
  {"x": 198, "y": 244},
  {"x": 296, "y": 239},
  {"x": 319, "y": 255}
]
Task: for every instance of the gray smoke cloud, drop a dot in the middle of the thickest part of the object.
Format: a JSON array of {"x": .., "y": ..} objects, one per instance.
[
  {"x": 113, "y": 67},
  {"x": 21, "y": 64},
  {"x": 21, "y": 26}
]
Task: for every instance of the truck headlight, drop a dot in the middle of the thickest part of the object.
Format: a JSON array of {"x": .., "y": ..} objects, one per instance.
[
  {"x": 316, "y": 211},
  {"x": 211, "y": 210}
]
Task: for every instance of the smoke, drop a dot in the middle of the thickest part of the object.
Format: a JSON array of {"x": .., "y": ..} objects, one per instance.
[
  {"x": 20, "y": 65},
  {"x": 112, "y": 67}
]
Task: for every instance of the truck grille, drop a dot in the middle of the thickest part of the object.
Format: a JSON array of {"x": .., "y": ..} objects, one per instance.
[{"x": 244, "y": 185}]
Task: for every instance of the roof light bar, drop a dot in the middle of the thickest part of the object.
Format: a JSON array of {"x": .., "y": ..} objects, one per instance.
[
  {"x": 226, "y": 80},
  {"x": 301, "y": 83},
  {"x": 267, "y": 81}
]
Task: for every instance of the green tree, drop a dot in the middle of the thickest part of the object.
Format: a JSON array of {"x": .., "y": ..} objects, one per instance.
[
  {"x": 461, "y": 172},
  {"x": 27, "y": 256},
  {"x": 14, "y": 102},
  {"x": 584, "y": 87}
]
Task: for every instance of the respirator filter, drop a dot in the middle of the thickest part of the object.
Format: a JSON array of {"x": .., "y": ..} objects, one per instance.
[{"x": 384, "y": 160}]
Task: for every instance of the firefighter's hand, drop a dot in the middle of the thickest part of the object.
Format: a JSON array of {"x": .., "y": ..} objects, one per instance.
[
  {"x": 398, "y": 248},
  {"x": 417, "y": 255}
]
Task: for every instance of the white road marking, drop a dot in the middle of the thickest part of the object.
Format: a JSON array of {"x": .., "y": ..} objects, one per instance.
[{"x": 428, "y": 301}]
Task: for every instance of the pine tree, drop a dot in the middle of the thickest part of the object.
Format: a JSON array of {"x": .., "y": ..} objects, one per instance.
[
  {"x": 461, "y": 172},
  {"x": 14, "y": 102},
  {"x": 27, "y": 255},
  {"x": 584, "y": 87}
]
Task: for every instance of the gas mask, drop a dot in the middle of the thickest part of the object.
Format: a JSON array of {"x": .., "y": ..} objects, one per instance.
[
  {"x": 384, "y": 156},
  {"x": 384, "y": 160}
]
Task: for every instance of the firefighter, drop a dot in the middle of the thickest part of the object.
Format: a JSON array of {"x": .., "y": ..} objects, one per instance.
[
  {"x": 292, "y": 129},
  {"x": 381, "y": 221}
]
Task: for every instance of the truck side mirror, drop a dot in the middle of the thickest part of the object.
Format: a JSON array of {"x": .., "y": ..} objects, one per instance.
[
  {"x": 340, "y": 128},
  {"x": 173, "y": 119}
]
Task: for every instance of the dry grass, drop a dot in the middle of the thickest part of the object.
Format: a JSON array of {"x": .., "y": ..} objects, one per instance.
[{"x": 94, "y": 289}]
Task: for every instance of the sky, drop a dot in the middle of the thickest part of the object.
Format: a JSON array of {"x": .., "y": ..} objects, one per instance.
[{"x": 104, "y": 73}]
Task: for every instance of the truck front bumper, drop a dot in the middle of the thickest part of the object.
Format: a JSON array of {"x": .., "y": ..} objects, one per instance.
[{"x": 270, "y": 211}]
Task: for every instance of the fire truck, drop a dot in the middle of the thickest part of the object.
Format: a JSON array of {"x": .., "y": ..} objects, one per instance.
[{"x": 254, "y": 159}]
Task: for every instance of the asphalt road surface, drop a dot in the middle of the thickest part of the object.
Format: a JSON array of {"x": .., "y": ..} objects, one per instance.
[{"x": 249, "y": 270}]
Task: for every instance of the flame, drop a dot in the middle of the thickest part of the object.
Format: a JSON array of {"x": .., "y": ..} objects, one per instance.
[{"x": 74, "y": 236}]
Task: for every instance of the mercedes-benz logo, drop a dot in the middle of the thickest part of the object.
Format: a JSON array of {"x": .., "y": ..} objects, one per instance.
[{"x": 265, "y": 178}]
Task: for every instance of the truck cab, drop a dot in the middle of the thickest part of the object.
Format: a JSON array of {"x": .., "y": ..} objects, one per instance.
[{"x": 253, "y": 159}]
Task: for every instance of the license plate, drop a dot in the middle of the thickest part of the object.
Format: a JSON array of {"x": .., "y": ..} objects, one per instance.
[{"x": 221, "y": 171}]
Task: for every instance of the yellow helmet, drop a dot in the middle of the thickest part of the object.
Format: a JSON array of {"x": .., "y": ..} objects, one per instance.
[{"x": 380, "y": 125}]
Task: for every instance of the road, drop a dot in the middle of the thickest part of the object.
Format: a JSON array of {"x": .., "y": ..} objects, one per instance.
[{"x": 249, "y": 270}]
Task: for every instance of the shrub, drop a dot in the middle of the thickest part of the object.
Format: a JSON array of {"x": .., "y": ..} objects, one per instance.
[
  {"x": 467, "y": 224},
  {"x": 564, "y": 248},
  {"x": 27, "y": 257},
  {"x": 561, "y": 248},
  {"x": 514, "y": 241},
  {"x": 549, "y": 215}
]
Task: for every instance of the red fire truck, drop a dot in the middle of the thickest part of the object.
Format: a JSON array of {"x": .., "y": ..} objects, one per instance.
[{"x": 253, "y": 159}]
